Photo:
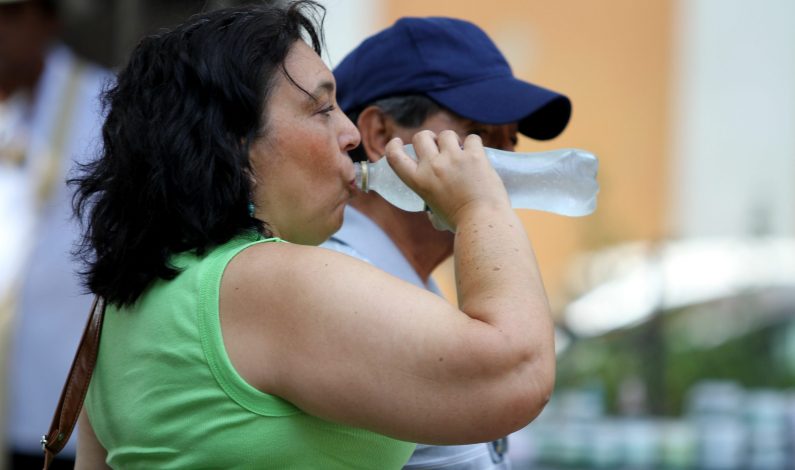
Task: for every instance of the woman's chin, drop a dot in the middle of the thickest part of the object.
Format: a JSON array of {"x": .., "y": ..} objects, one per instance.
[
  {"x": 331, "y": 232},
  {"x": 315, "y": 234},
  {"x": 316, "y": 238}
]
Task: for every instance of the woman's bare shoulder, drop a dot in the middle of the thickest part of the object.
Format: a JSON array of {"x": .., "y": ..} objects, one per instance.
[{"x": 287, "y": 260}]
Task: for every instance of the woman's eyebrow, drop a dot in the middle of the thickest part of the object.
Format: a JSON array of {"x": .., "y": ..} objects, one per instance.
[{"x": 325, "y": 87}]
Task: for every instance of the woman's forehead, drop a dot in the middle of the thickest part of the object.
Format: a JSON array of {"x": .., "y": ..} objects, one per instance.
[{"x": 302, "y": 62}]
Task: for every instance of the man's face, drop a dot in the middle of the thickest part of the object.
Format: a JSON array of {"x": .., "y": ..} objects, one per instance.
[{"x": 502, "y": 136}]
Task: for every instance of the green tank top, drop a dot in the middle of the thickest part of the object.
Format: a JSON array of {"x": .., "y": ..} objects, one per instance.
[{"x": 165, "y": 395}]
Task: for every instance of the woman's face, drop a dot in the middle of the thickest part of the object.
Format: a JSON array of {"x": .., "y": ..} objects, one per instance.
[{"x": 303, "y": 174}]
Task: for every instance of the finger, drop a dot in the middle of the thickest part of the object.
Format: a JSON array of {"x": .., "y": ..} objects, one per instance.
[
  {"x": 473, "y": 142},
  {"x": 398, "y": 159},
  {"x": 449, "y": 140},
  {"x": 425, "y": 144}
]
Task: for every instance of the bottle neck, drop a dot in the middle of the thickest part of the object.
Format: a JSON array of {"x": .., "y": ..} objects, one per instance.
[{"x": 363, "y": 176}]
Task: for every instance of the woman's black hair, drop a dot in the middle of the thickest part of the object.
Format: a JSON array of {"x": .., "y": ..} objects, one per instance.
[{"x": 174, "y": 172}]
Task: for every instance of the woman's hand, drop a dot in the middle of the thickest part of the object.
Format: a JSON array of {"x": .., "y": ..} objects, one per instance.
[{"x": 449, "y": 177}]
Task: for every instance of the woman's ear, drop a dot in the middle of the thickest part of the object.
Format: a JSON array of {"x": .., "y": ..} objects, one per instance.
[{"x": 376, "y": 129}]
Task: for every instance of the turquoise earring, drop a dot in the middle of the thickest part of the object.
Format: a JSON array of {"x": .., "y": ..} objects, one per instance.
[{"x": 250, "y": 209}]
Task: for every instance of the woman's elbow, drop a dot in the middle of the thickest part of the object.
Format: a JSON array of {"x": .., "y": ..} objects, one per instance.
[
  {"x": 531, "y": 391},
  {"x": 517, "y": 400}
]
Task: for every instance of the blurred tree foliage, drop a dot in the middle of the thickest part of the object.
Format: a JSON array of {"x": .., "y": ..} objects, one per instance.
[{"x": 735, "y": 340}]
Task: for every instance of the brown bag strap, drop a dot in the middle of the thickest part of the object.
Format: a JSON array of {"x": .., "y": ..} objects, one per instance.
[{"x": 76, "y": 386}]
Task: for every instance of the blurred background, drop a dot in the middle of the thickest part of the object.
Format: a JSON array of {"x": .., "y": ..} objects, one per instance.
[{"x": 675, "y": 300}]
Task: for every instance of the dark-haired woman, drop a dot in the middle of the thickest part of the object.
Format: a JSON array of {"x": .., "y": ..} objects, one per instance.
[{"x": 230, "y": 341}]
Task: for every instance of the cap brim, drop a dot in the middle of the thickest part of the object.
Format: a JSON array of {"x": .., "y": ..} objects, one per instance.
[{"x": 540, "y": 113}]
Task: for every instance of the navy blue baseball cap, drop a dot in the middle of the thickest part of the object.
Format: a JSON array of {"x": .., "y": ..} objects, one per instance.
[{"x": 454, "y": 63}]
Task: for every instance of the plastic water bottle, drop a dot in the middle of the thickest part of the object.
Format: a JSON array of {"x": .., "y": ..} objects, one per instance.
[{"x": 558, "y": 181}]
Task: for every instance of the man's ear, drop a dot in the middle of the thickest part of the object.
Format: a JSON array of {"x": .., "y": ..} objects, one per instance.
[{"x": 376, "y": 129}]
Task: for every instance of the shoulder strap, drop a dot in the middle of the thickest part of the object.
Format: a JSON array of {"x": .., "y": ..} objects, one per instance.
[{"x": 76, "y": 386}]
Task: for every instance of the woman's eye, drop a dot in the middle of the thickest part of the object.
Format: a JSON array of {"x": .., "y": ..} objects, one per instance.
[{"x": 327, "y": 110}]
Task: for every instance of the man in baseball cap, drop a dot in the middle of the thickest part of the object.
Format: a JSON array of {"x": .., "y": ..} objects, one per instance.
[{"x": 437, "y": 74}]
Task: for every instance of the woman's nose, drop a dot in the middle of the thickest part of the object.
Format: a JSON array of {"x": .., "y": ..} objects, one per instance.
[{"x": 349, "y": 136}]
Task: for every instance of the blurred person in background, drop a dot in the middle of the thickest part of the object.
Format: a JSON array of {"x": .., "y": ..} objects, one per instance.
[
  {"x": 49, "y": 119},
  {"x": 434, "y": 74}
]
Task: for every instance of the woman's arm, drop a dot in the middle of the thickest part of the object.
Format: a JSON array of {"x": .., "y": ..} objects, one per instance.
[
  {"x": 347, "y": 342},
  {"x": 90, "y": 453}
]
